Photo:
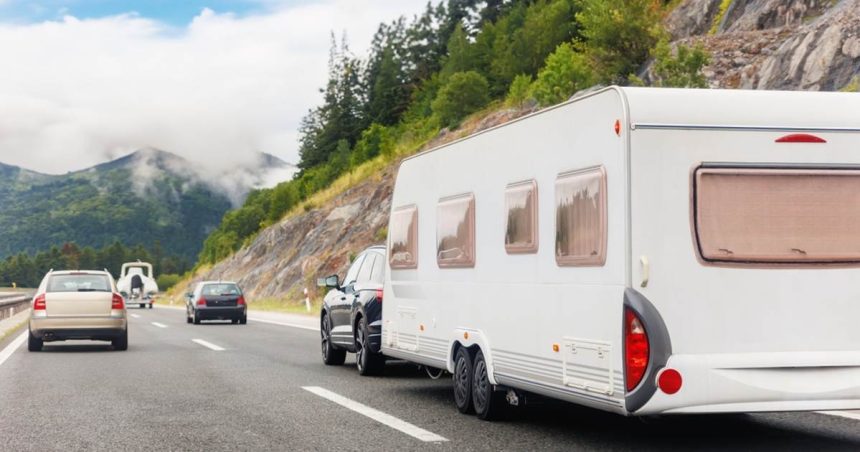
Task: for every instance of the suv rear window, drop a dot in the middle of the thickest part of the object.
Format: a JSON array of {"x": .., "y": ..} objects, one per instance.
[
  {"x": 777, "y": 215},
  {"x": 79, "y": 283},
  {"x": 215, "y": 290}
]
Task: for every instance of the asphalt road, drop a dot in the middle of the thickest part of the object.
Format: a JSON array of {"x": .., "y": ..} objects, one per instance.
[{"x": 168, "y": 392}]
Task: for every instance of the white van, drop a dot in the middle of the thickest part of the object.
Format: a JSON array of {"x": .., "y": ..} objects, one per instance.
[{"x": 639, "y": 251}]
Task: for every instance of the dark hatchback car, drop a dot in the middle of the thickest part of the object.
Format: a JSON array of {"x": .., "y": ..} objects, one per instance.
[
  {"x": 216, "y": 300},
  {"x": 352, "y": 313}
]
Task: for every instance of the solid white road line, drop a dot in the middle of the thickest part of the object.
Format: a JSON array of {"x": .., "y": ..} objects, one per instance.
[
  {"x": 7, "y": 352},
  {"x": 846, "y": 414},
  {"x": 160, "y": 325},
  {"x": 291, "y": 325},
  {"x": 208, "y": 345},
  {"x": 376, "y": 415},
  {"x": 135, "y": 316}
]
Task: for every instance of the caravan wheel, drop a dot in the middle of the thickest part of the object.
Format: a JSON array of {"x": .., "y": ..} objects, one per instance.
[
  {"x": 463, "y": 381},
  {"x": 489, "y": 403}
]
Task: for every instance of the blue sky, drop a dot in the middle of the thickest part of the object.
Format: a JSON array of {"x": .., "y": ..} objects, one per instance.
[{"x": 174, "y": 12}]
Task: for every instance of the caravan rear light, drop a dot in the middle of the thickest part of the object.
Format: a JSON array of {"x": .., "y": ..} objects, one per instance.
[
  {"x": 39, "y": 303},
  {"x": 800, "y": 138},
  {"x": 636, "y": 349},
  {"x": 201, "y": 302},
  {"x": 379, "y": 295},
  {"x": 117, "y": 302},
  {"x": 669, "y": 381}
]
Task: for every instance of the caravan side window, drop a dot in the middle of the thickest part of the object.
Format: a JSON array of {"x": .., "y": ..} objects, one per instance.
[
  {"x": 455, "y": 231},
  {"x": 521, "y": 231},
  {"x": 403, "y": 238},
  {"x": 580, "y": 218}
]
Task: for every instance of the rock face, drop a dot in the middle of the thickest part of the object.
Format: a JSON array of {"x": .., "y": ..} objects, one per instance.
[
  {"x": 774, "y": 44},
  {"x": 757, "y": 44}
]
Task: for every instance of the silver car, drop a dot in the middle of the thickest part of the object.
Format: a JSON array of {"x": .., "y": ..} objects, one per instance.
[{"x": 73, "y": 305}]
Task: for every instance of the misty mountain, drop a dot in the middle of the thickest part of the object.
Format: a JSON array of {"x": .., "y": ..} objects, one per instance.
[{"x": 148, "y": 197}]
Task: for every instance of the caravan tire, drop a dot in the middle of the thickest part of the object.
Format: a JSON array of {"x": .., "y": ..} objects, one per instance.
[
  {"x": 463, "y": 381},
  {"x": 489, "y": 404}
]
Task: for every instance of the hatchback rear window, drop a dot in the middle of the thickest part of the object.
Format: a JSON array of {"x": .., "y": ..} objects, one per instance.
[
  {"x": 79, "y": 283},
  {"x": 777, "y": 215},
  {"x": 216, "y": 290}
]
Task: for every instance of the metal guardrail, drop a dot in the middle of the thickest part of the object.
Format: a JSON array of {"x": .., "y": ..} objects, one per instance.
[{"x": 13, "y": 304}]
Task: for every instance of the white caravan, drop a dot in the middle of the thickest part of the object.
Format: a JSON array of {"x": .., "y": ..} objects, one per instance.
[
  {"x": 137, "y": 283},
  {"x": 639, "y": 251}
]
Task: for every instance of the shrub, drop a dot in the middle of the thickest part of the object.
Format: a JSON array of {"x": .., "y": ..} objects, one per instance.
[
  {"x": 565, "y": 73},
  {"x": 166, "y": 281},
  {"x": 375, "y": 140},
  {"x": 853, "y": 86},
  {"x": 519, "y": 92},
  {"x": 464, "y": 93},
  {"x": 681, "y": 68}
]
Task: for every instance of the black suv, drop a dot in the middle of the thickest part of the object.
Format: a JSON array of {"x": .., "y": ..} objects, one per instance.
[{"x": 352, "y": 313}]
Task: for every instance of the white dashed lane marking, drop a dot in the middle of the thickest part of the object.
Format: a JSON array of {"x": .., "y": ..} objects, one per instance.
[{"x": 376, "y": 415}]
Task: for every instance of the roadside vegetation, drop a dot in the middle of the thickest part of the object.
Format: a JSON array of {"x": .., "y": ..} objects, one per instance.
[
  {"x": 24, "y": 270},
  {"x": 458, "y": 58}
]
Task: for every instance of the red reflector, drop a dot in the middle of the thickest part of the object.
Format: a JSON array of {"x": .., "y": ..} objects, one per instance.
[
  {"x": 618, "y": 127},
  {"x": 117, "y": 302},
  {"x": 636, "y": 349},
  {"x": 670, "y": 381},
  {"x": 201, "y": 302},
  {"x": 379, "y": 295},
  {"x": 801, "y": 138},
  {"x": 39, "y": 303},
  {"x": 241, "y": 301}
]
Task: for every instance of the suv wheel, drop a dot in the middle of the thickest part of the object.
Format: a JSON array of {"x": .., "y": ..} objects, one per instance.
[
  {"x": 463, "y": 381},
  {"x": 196, "y": 318},
  {"x": 368, "y": 363},
  {"x": 243, "y": 320},
  {"x": 34, "y": 344},
  {"x": 331, "y": 355}
]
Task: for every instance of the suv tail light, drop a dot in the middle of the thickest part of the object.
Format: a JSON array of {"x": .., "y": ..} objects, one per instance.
[
  {"x": 117, "y": 302},
  {"x": 39, "y": 303},
  {"x": 636, "y": 349},
  {"x": 201, "y": 302},
  {"x": 379, "y": 295},
  {"x": 241, "y": 301}
]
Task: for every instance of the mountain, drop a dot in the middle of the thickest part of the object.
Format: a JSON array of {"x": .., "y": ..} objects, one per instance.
[{"x": 147, "y": 197}]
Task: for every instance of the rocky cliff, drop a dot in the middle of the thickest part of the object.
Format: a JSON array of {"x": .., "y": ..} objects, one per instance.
[
  {"x": 755, "y": 44},
  {"x": 774, "y": 44}
]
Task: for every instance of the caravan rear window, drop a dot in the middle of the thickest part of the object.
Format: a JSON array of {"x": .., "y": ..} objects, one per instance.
[
  {"x": 580, "y": 216},
  {"x": 403, "y": 238},
  {"x": 777, "y": 215},
  {"x": 521, "y": 207},
  {"x": 455, "y": 231}
]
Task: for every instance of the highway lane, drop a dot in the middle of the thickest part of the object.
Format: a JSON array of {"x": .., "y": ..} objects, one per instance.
[{"x": 168, "y": 392}]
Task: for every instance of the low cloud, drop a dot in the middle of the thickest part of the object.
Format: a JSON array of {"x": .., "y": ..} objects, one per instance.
[{"x": 78, "y": 92}]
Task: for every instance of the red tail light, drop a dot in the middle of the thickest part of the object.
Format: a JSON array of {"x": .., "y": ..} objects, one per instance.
[
  {"x": 379, "y": 295},
  {"x": 117, "y": 302},
  {"x": 39, "y": 303},
  {"x": 636, "y": 349},
  {"x": 201, "y": 302},
  {"x": 241, "y": 301}
]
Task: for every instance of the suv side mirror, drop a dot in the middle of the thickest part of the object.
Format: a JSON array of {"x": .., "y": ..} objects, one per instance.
[
  {"x": 329, "y": 282},
  {"x": 189, "y": 295}
]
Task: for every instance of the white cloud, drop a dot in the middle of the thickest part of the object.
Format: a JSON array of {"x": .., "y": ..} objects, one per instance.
[{"x": 76, "y": 92}]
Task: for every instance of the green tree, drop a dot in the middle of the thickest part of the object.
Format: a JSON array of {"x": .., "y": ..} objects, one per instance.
[
  {"x": 464, "y": 93},
  {"x": 619, "y": 35},
  {"x": 566, "y": 72},
  {"x": 520, "y": 91}
]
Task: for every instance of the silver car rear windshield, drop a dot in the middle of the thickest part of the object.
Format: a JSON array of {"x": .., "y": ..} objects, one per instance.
[
  {"x": 79, "y": 283},
  {"x": 216, "y": 290}
]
